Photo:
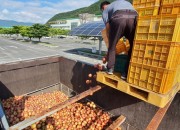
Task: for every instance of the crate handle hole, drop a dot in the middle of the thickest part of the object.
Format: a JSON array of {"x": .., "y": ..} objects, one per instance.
[
  {"x": 111, "y": 81},
  {"x": 139, "y": 93}
]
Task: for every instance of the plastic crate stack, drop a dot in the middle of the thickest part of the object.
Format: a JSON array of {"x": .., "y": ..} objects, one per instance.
[
  {"x": 147, "y": 7},
  {"x": 170, "y": 7},
  {"x": 156, "y": 52}
]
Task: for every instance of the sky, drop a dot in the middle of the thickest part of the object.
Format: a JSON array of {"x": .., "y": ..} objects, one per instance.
[{"x": 38, "y": 11}]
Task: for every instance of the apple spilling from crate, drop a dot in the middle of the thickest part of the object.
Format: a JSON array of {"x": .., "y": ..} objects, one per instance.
[
  {"x": 78, "y": 116},
  {"x": 90, "y": 79},
  {"x": 99, "y": 67}
]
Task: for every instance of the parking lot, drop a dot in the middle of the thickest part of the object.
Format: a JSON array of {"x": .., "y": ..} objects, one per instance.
[{"x": 12, "y": 50}]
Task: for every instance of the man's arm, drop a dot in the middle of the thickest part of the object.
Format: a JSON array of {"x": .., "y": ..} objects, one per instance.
[
  {"x": 106, "y": 21},
  {"x": 105, "y": 59},
  {"x": 107, "y": 29}
]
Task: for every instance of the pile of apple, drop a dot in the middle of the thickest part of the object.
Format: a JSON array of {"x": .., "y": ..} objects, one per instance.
[
  {"x": 19, "y": 108},
  {"x": 78, "y": 116}
]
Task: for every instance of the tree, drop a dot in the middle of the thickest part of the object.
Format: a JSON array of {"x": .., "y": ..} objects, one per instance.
[
  {"x": 16, "y": 30},
  {"x": 53, "y": 32},
  {"x": 1, "y": 31},
  {"x": 30, "y": 32},
  {"x": 57, "y": 31},
  {"x": 7, "y": 31},
  {"x": 39, "y": 30},
  {"x": 24, "y": 31}
]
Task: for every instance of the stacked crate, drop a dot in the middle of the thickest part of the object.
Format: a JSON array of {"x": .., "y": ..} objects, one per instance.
[
  {"x": 170, "y": 7},
  {"x": 155, "y": 57},
  {"x": 147, "y": 7}
]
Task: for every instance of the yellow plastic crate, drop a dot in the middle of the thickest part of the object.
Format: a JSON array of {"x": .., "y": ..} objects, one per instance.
[
  {"x": 148, "y": 11},
  {"x": 163, "y": 55},
  {"x": 145, "y": 3},
  {"x": 166, "y": 2},
  {"x": 152, "y": 78},
  {"x": 170, "y": 9},
  {"x": 121, "y": 46},
  {"x": 160, "y": 28},
  {"x": 177, "y": 76},
  {"x": 146, "y": 95}
]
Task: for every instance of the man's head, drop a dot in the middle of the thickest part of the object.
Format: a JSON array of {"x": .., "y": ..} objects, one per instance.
[{"x": 104, "y": 5}]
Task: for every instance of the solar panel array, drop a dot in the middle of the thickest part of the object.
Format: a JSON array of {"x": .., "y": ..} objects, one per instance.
[{"x": 88, "y": 29}]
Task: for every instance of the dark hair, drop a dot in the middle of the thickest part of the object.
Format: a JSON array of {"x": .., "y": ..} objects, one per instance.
[{"x": 104, "y": 3}]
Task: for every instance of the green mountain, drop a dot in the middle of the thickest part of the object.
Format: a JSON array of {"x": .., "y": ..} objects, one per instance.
[
  {"x": 92, "y": 9},
  {"x": 10, "y": 23}
]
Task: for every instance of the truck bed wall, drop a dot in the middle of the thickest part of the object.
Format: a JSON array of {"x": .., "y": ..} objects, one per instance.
[{"x": 27, "y": 76}]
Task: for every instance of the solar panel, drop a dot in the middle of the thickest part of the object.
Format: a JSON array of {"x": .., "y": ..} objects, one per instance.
[{"x": 89, "y": 29}]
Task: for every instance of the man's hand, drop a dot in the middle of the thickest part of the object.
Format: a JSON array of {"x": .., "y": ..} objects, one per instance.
[{"x": 104, "y": 59}]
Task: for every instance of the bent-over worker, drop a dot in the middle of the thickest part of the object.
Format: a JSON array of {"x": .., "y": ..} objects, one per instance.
[{"x": 120, "y": 20}]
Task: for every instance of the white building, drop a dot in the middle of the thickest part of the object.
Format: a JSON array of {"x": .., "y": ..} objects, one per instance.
[
  {"x": 73, "y": 22},
  {"x": 65, "y": 23}
]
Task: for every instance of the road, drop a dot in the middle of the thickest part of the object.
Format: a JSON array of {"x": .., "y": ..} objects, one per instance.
[{"x": 15, "y": 50}]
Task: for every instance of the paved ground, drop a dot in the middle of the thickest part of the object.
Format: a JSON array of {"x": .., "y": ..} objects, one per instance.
[{"x": 12, "y": 50}]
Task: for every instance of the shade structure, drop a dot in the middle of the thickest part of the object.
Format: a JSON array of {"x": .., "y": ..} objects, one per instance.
[{"x": 91, "y": 29}]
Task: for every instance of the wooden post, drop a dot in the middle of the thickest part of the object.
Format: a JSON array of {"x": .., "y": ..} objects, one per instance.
[
  {"x": 117, "y": 123},
  {"x": 54, "y": 109},
  {"x": 156, "y": 120}
]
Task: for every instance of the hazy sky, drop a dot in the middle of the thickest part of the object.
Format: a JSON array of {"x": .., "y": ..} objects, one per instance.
[{"x": 38, "y": 11}]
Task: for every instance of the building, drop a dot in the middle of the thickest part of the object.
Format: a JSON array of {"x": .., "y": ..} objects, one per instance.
[{"x": 69, "y": 24}]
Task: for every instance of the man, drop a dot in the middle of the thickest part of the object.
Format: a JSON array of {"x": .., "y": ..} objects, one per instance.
[{"x": 120, "y": 20}]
